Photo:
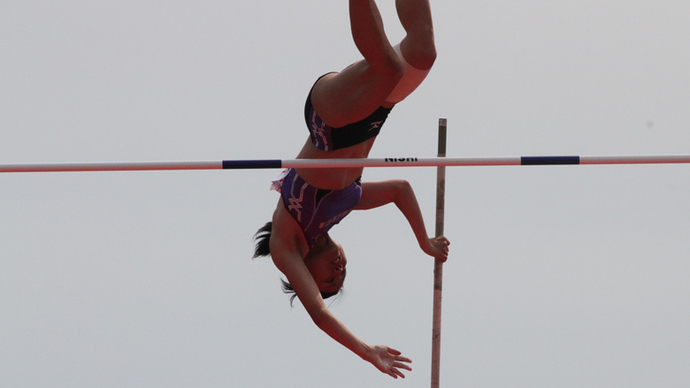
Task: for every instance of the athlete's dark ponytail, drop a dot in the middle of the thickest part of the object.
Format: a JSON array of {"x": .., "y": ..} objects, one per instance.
[{"x": 263, "y": 239}]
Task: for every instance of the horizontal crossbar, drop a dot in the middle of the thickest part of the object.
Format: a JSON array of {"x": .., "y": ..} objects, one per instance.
[{"x": 346, "y": 163}]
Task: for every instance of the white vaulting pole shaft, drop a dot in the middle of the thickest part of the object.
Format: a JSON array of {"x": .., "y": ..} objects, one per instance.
[{"x": 438, "y": 264}]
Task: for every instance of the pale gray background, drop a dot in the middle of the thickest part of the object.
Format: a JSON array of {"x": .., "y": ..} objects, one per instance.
[{"x": 559, "y": 276}]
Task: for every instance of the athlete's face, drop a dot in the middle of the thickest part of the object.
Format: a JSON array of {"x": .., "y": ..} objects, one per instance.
[{"x": 327, "y": 266}]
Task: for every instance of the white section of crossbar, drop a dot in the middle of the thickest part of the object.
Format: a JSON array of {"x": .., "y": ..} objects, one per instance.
[{"x": 120, "y": 166}]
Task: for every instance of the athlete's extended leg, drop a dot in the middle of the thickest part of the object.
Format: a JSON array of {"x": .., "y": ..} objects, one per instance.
[
  {"x": 417, "y": 49},
  {"x": 353, "y": 94}
]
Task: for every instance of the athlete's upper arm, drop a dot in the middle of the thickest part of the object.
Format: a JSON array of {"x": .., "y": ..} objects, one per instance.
[
  {"x": 285, "y": 252},
  {"x": 376, "y": 194},
  {"x": 302, "y": 282}
]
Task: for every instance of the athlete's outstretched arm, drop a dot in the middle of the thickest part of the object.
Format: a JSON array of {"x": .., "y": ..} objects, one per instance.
[
  {"x": 285, "y": 252},
  {"x": 400, "y": 192}
]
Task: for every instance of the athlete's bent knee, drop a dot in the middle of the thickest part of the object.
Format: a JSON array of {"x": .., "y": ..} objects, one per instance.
[{"x": 411, "y": 78}]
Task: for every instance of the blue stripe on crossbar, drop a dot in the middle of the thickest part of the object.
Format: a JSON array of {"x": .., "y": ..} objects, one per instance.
[
  {"x": 242, "y": 164},
  {"x": 548, "y": 160}
]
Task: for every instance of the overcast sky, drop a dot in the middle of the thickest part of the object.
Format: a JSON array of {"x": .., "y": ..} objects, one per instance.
[{"x": 571, "y": 276}]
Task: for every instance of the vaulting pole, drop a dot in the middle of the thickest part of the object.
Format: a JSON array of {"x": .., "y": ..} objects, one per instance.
[{"x": 438, "y": 264}]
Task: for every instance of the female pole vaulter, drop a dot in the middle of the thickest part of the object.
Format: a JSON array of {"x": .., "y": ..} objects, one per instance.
[{"x": 344, "y": 112}]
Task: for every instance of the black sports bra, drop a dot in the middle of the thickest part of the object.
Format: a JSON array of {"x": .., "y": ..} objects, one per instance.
[{"x": 327, "y": 138}]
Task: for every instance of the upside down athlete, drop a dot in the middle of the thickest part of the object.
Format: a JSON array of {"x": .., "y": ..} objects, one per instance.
[{"x": 344, "y": 113}]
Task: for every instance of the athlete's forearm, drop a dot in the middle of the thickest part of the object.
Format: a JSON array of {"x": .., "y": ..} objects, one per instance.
[
  {"x": 406, "y": 201},
  {"x": 332, "y": 326}
]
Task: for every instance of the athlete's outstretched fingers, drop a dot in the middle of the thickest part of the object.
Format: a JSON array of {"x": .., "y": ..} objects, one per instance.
[{"x": 403, "y": 366}]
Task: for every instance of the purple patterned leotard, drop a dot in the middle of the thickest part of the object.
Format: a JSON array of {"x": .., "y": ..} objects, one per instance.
[{"x": 317, "y": 210}]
